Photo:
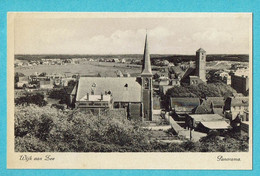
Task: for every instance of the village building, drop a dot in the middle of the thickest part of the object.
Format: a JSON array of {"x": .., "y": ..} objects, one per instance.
[
  {"x": 181, "y": 107},
  {"x": 223, "y": 76},
  {"x": 134, "y": 94},
  {"x": 207, "y": 122},
  {"x": 191, "y": 75},
  {"x": 235, "y": 107},
  {"x": 240, "y": 83},
  {"x": 211, "y": 105}
]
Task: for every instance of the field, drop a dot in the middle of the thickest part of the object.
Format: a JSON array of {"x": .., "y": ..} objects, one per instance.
[
  {"x": 84, "y": 68},
  {"x": 223, "y": 65}
]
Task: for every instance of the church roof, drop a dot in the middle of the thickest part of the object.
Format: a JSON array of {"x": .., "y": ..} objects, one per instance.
[
  {"x": 146, "y": 68},
  {"x": 123, "y": 89}
]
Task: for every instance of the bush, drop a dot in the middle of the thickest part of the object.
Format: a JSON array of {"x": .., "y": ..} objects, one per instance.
[
  {"x": 46, "y": 129},
  {"x": 28, "y": 99},
  {"x": 201, "y": 90}
]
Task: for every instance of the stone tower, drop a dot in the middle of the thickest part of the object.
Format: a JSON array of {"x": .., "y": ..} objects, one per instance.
[
  {"x": 201, "y": 64},
  {"x": 147, "y": 89}
]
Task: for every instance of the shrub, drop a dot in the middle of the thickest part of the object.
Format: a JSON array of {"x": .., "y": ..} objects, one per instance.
[{"x": 28, "y": 99}]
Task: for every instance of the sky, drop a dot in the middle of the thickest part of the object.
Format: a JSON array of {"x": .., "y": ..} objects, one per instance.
[{"x": 178, "y": 34}]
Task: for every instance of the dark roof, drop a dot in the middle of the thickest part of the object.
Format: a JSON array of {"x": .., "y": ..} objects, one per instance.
[
  {"x": 74, "y": 90},
  {"x": 176, "y": 70},
  {"x": 203, "y": 109},
  {"x": 191, "y": 102},
  {"x": 188, "y": 72},
  {"x": 216, "y": 101}
]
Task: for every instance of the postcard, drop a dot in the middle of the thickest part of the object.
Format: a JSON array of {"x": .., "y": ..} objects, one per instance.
[{"x": 129, "y": 90}]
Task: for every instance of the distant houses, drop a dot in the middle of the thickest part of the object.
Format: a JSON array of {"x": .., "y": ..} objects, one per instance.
[{"x": 232, "y": 112}]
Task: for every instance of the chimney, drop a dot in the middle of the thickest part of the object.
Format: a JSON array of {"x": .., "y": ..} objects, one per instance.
[
  {"x": 87, "y": 96},
  {"x": 101, "y": 96}
]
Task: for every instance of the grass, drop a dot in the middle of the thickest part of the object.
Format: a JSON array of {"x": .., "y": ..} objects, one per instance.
[{"x": 93, "y": 68}]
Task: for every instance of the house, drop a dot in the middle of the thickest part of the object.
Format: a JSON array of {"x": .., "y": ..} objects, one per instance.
[
  {"x": 119, "y": 73},
  {"x": 210, "y": 105},
  {"x": 116, "y": 60},
  {"x": 240, "y": 84},
  {"x": 123, "y": 60},
  {"x": 207, "y": 122},
  {"x": 223, "y": 76},
  {"x": 235, "y": 106},
  {"x": 181, "y": 107},
  {"x": 125, "y": 92}
]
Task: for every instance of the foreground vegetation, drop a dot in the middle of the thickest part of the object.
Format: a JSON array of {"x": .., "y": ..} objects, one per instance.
[{"x": 46, "y": 129}]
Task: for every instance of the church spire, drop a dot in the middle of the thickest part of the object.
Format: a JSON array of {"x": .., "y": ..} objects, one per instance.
[{"x": 146, "y": 69}]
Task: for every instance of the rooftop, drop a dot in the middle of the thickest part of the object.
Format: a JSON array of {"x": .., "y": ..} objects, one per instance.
[
  {"x": 240, "y": 101},
  {"x": 206, "y": 117},
  {"x": 176, "y": 101},
  {"x": 216, "y": 125},
  {"x": 123, "y": 89}
]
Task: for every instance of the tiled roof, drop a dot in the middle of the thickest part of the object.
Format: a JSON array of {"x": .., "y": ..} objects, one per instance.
[{"x": 123, "y": 89}]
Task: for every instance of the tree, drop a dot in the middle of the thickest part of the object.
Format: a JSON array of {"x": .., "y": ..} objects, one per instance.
[
  {"x": 37, "y": 99},
  {"x": 201, "y": 90}
]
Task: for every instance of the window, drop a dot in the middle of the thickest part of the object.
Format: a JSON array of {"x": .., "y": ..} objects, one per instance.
[{"x": 146, "y": 83}]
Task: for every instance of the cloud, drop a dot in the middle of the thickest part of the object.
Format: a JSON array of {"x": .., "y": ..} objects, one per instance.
[
  {"x": 129, "y": 41},
  {"x": 213, "y": 36}
]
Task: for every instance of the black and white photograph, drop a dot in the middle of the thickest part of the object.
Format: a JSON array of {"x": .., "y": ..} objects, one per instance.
[{"x": 130, "y": 83}]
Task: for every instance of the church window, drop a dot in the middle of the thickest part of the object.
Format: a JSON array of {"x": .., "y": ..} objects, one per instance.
[{"x": 146, "y": 83}]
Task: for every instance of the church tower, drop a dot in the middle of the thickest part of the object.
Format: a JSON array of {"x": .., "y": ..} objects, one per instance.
[
  {"x": 147, "y": 89},
  {"x": 201, "y": 64}
]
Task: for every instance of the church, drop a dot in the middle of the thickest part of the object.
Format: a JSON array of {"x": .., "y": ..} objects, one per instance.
[{"x": 134, "y": 94}]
